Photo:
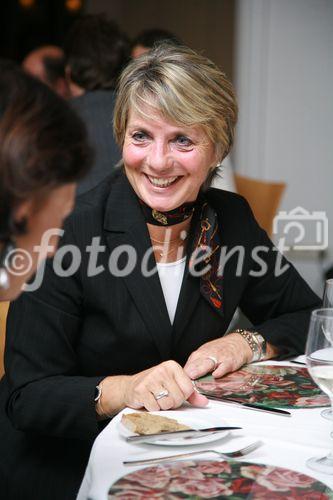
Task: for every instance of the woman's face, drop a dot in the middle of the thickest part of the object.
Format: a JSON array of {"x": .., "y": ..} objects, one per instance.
[
  {"x": 166, "y": 164},
  {"x": 40, "y": 215}
]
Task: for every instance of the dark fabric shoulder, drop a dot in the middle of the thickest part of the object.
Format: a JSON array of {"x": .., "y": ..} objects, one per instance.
[
  {"x": 234, "y": 214},
  {"x": 94, "y": 98},
  {"x": 94, "y": 201},
  {"x": 219, "y": 198}
]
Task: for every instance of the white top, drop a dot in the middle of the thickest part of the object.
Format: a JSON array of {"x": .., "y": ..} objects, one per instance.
[{"x": 171, "y": 277}]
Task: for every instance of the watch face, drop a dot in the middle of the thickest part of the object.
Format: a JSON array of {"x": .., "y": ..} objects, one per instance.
[{"x": 262, "y": 342}]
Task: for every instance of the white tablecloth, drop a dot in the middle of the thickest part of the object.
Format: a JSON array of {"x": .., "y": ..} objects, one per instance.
[{"x": 287, "y": 442}]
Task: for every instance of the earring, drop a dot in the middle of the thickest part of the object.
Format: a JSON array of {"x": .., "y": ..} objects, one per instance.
[
  {"x": 4, "y": 275},
  {"x": 4, "y": 279}
]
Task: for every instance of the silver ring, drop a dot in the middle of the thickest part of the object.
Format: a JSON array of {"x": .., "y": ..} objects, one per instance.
[
  {"x": 212, "y": 358},
  {"x": 161, "y": 394}
]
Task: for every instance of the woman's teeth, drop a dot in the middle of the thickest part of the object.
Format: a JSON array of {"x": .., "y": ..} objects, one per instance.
[{"x": 163, "y": 182}]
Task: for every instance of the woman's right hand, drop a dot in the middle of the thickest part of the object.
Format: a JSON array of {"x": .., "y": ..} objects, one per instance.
[{"x": 140, "y": 390}]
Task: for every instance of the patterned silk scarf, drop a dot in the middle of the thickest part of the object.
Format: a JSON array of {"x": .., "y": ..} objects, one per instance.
[
  {"x": 170, "y": 218},
  {"x": 204, "y": 254}
]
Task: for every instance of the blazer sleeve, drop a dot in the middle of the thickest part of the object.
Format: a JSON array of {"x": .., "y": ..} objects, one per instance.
[
  {"x": 276, "y": 298},
  {"x": 46, "y": 393}
]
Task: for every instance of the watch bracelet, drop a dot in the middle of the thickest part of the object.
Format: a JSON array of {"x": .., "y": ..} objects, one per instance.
[
  {"x": 99, "y": 402},
  {"x": 252, "y": 340}
]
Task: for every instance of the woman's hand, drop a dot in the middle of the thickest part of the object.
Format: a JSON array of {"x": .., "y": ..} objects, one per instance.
[
  {"x": 143, "y": 389},
  {"x": 231, "y": 352}
]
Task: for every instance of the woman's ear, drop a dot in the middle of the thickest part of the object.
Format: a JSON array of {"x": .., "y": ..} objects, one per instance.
[
  {"x": 21, "y": 217},
  {"x": 74, "y": 89}
]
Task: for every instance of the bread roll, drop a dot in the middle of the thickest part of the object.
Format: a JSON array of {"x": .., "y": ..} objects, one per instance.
[{"x": 146, "y": 423}]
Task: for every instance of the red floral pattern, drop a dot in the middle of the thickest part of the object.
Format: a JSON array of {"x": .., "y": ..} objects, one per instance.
[
  {"x": 216, "y": 479},
  {"x": 285, "y": 387},
  {"x": 208, "y": 487}
]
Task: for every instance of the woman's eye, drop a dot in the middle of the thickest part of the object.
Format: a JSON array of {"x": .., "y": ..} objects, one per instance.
[
  {"x": 183, "y": 141},
  {"x": 139, "y": 136}
]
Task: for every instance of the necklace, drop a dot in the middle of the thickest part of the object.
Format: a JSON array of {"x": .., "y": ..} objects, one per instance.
[
  {"x": 167, "y": 252},
  {"x": 168, "y": 243},
  {"x": 182, "y": 237}
]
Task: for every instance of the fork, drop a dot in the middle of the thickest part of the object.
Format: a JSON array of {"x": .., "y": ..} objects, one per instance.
[{"x": 227, "y": 455}]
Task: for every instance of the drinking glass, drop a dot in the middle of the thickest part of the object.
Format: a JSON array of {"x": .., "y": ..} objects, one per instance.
[
  {"x": 319, "y": 360},
  {"x": 328, "y": 294},
  {"x": 328, "y": 302}
]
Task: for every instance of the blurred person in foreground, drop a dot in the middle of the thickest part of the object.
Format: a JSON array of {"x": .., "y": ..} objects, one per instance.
[
  {"x": 43, "y": 152},
  {"x": 134, "y": 327},
  {"x": 96, "y": 52},
  {"x": 47, "y": 63},
  {"x": 148, "y": 39}
]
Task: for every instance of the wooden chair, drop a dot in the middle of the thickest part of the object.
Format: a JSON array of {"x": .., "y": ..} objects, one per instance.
[
  {"x": 3, "y": 316},
  {"x": 263, "y": 197}
]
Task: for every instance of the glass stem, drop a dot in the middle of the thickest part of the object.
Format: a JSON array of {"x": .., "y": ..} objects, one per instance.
[{"x": 330, "y": 455}]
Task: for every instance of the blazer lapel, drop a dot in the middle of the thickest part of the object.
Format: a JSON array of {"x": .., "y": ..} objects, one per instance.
[
  {"x": 190, "y": 292},
  {"x": 188, "y": 299},
  {"x": 125, "y": 225}
]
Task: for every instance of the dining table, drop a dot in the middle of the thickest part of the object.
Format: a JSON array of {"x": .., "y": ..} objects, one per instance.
[{"x": 286, "y": 441}]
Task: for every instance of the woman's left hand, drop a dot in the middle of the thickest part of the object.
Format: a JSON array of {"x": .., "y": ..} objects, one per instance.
[{"x": 230, "y": 352}]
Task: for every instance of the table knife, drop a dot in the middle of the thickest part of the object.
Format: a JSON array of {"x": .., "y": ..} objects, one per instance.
[
  {"x": 251, "y": 406},
  {"x": 190, "y": 433}
]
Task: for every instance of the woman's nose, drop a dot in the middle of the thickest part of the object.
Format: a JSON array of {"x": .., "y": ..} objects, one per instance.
[{"x": 159, "y": 158}]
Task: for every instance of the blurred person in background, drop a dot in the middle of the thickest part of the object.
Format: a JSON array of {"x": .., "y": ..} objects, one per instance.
[
  {"x": 47, "y": 63},
  {"x": 148, "y": 39},
  {"x": 96, "y": 51},
  {"x": 43, "y": 152}
]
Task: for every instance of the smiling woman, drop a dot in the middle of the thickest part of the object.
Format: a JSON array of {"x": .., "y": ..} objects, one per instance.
[{"x": 100, "y": 341}]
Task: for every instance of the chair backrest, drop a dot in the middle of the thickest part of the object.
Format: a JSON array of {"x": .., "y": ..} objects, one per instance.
[
  {"x": 3, "y": 316},
  {"x": 263, "y": 197}
]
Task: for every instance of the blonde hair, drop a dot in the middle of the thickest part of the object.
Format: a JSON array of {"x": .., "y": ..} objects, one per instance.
[{"x": 184, "y": 87}]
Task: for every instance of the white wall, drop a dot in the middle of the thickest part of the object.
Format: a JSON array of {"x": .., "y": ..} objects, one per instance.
[{"x": 284, "y": 80}]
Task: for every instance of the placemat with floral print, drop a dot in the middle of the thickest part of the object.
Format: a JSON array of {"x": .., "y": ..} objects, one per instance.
[
  {"x": 270, "y": 385},
  {"x": 216, "y": 479}
]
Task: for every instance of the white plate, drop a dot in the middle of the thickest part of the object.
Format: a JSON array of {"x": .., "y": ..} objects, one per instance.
[{"x": 193, "y": 422}]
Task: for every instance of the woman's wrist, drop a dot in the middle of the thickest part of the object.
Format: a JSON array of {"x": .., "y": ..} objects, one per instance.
[
  {"x": 260, "y": 349},
  {"x": 246, "y": 349},
  {"x": 256, "y": 342},
  {"x": 111, "y": 397},
  {"x": 100, "y": 410}
]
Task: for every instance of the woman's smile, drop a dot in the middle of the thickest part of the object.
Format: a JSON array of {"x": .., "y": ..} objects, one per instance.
[{"x": 162, "y": 182}]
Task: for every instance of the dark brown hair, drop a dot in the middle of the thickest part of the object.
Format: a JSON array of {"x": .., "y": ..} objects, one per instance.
[
  {"x": 96, "y": 51},
  {"x": 43, "y": 142},
  {"x": 153, "y": 37}
]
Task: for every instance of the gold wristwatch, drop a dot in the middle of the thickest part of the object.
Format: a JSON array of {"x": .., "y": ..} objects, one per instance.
[{"x": 256, "y": 342}]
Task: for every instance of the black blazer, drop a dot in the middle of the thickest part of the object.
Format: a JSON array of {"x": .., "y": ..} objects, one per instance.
[{"x": 72, "y": 332}]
